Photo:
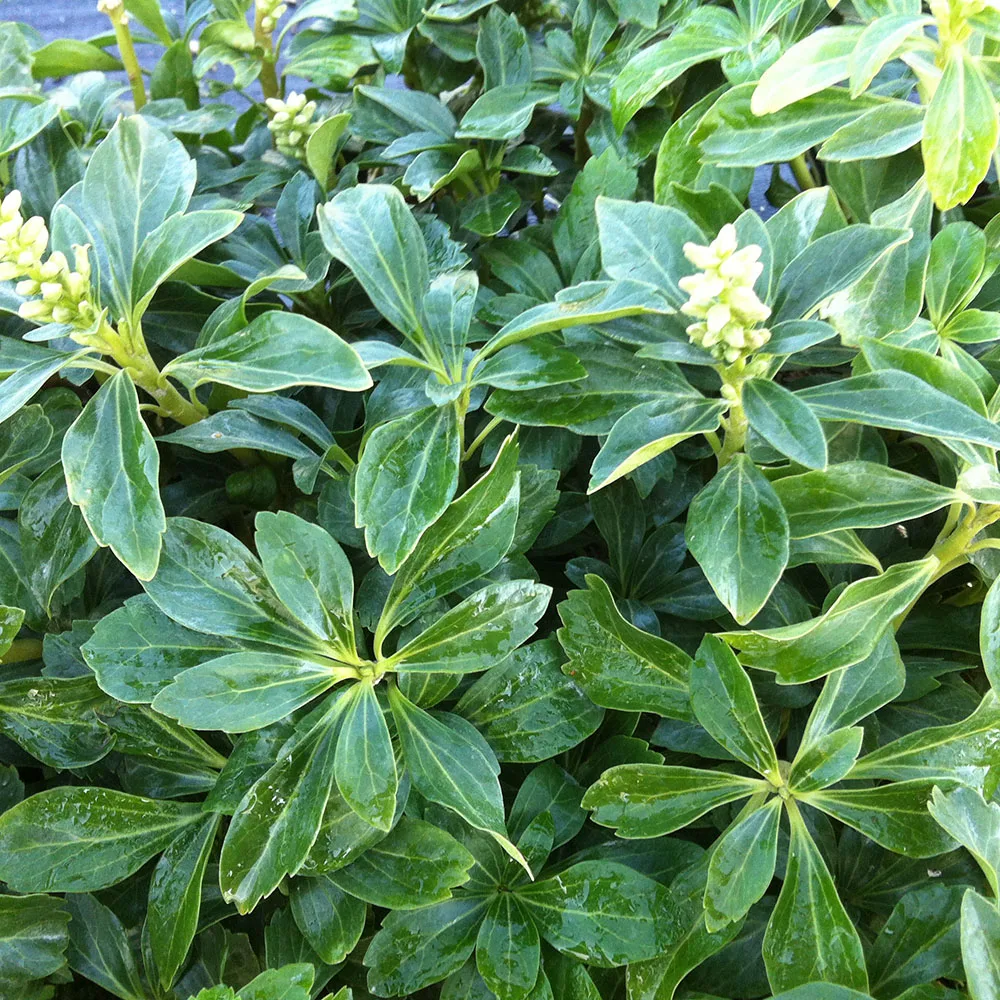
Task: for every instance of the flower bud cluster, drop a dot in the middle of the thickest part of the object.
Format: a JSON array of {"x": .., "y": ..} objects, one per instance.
[
  {"x": 270, "y": 12},
  {"x": 65, "y": 294},
  {"x": 721, "y": 297},
  {"x": 292, "y": 124}
]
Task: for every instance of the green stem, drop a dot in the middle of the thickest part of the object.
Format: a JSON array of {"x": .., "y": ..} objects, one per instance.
[
  {"x": 128, "y": 348},
  {"x": 581, "y": 147},
  {"x": 736, "y": 434},
  {"x": 481, "y": 437},
  {"x": 335, "y": 451},
  {"x": 119, "y": 20},
  {"x": 22, "y": 650},
  {"x": 800, "y": 168},
  {"x": 268, "y": 72}
]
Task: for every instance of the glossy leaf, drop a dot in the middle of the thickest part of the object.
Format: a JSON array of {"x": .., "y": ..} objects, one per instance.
[{"x": 112, "y": 472}]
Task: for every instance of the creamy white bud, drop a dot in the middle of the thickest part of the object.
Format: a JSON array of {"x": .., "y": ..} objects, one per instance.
[
  {"x": 36, "y": 309},
  {"x": 10, "y": 206}
]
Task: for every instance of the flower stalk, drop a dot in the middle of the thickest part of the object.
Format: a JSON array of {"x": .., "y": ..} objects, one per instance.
[
  {"x": 266, "y": 16},
  {"x": 115, "y": 10}
]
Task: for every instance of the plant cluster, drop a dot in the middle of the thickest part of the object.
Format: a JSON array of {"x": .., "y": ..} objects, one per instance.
[{"x": 451, "y": 547}]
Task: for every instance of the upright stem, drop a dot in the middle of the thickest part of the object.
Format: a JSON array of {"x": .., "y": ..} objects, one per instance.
[
  {"x": 115, "y": 9},
  {"x": 736, "y": 434},
  {"x": 800, "y": 168},
  {"x": 268, "y": 73},
  {"x": 130, "y": 352},
  {"x": 581, "y": 148}
]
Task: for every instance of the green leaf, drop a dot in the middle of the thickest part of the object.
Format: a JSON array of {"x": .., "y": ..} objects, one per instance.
[
  {"x": 502, "y": 50},
  {"x": 55, "y": 540},
  {"x": 136, "y": 651},
  {"x": 981, "y": 946},
  {"x": 738, "y": 532},
  {"x": 989, "y": 635},
  {"x": 829, "y": 265},
  {"x": 54, "y": 719},
  {"x": 843, "y": 636},
  {"x": 462, "y": 545},
  {"x": 208, "y": 581},
  {"x": 276, "y": 351},
  {"x": 99, "y": 948},
  {"x": 650, "y": 429},
  {"x": 602, "y": 912},
  {"x": 25, "y": 380},
  {"x": 147, "y": 13},
  {"x": 137, "y": 178},
  {"x": 23, "y": 437},
  {"x": 785, "y": 422},
  {"x": 370, "y": 230},
  {"x": 478, "y": 633},
  {"x": 818, "y": 61},
  {"x": 415, "y": 865},
  {"x": 41, "y": 837},
  {"x": 852, "y": 693},
  {"x": 742, "y": 865},
  {"x": 248, "y": 690},
  {"x": 33, "y": 937},
  {"x": 649, "y": 800},
  {"x": 405, "y": 480},
  {"x": 11, "y": 620},
  {"x": 644, "y": 242},
  {"x": 527, "y": 708},
  {"x": 708, "y": 33},
  {"x": 880, "y": 132},
  {"x": 310, "y": 574},
  {"x": 415, "y": 948},
  {"x": 890, "y": 296},
  {"x": 450, "y": 763},
  {"x": 67, "y": 56},
  {"x": 827, "y": 758},
  {"x": 588, "y": 302},
  {"x": 691, "y": 945},
  {"x": 731, "y": 135},
  {"x": 618, "y": 665},
  {"x": 726, "y": 706},
  {"x": 112, "y": 474},
  {"x": 919, "y": 943},
  {"x": 894, "y": 815},
  {"x": 810, "y": 937},
  {"x": 938, "y": 753},
  {"x": 530, "y": 366},
  {"x": 175, "y": 897},
  {"x": 321, "y": 147},
  {"x": 174, "y": 242},
  {"x": 880, "y": 41},
  {"x": 279, "y": 818},
  {"x": 364, "y": 765},
  {"x": 857, "y": 495},
  {"x": 502, "y": 113},
  {"x": 330, "y": 920},
  {"x": 960, "y": 131},
  {"x": 290, "y": 982},
  {"x": 974, "y": 823},
  {"x": 508, "y": 952}
]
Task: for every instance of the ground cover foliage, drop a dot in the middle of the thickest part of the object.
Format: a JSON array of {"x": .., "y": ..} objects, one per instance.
[{"x": 452, "y": 547}]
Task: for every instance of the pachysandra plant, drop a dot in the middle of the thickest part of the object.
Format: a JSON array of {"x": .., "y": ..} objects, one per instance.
[{"x": 500, "y": 501}]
